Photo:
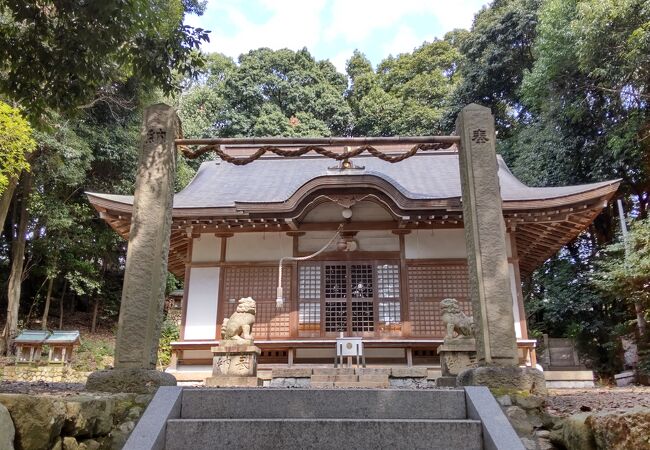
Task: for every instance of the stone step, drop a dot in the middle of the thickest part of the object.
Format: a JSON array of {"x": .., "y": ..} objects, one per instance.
[
  {"x": 333, "y": 371},
  {"x": 373, "y": 371},
  {"x": 323, "y": 434},
  {"x": 374, "y": 378},
  {"x": 363, "y": 384},
  {"x": 202, "y": 403},
  {"x": 326, "y": 378}
]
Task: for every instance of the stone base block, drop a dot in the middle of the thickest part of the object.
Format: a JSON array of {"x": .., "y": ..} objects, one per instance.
[
  {"x": 235, "y": 360},
  {"x": 292, "y": 372},
  {"x": 233, "y": 381},
  {"x": 508, "y": 379},
  {"x": 409, "y": 372},
  {"x": 141, "y": 381},
  {"x": 446, "y": 381}
]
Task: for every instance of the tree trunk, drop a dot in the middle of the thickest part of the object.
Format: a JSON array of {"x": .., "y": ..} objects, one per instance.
[
  {"x": 93, "y": 327},
  {"x": 46, "y": 310},
  {"x": 5, "y": 201},
  {"x": 65, "y": 285},
  {"x": 17, "y": 263}
]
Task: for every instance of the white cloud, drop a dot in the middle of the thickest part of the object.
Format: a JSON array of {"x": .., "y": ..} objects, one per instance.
[
  {"x": 290, "y": 24},
  {"x": 405, "y": 40},
  {"x": 340, "y": 59},
  {"x": 330, "y": 28},
  {"x": 356, "y": 20}
]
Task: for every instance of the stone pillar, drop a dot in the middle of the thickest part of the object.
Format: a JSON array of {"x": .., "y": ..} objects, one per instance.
[
  {"x": 143, "y": 292},
  {"x": 485, "y": 235}
]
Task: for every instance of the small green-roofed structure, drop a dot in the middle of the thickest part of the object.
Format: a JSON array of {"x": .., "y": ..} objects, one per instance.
[
  {"x": 29, "y": 345},
  {"x": 61, "y": 344}
]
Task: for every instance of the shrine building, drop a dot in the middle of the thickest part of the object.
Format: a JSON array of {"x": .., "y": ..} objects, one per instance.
[{"x": 400, "y": 250}]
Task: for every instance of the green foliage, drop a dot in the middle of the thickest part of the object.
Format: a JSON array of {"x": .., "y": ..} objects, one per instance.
[
  {"x": 408, "y": 94},
  {"x": 60, "y": 55},
  {"x": 268, "y": 93},
  {"x": 496, "y": 54},
  {"x": 94, "y": 353},
  {"x": 624, "y": 270},
  {"x": 170, "y": 332},
  {"x": 16, "y": 143}
]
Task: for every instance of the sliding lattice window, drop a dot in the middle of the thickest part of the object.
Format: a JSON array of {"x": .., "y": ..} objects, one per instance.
[
  {"x": 428, "y": 283},
  {"x": 259, "y": 282}
]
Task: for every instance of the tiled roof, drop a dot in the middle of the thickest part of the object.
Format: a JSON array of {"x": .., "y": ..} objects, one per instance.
[{"x": 269, "y": 180}]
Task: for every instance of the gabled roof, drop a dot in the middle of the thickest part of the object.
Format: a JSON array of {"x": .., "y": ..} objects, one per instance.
[
  {"x": 429, "y": 176},
  {"x": 423, "y": 191}
]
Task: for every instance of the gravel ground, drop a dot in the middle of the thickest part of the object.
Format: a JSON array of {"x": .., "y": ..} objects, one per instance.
[{"x": 563, "y": 402}]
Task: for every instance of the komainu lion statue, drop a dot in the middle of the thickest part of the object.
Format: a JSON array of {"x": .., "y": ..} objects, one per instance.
[
  {"x": 458, "y": 324},
  {"x": 238, "y": 327}
]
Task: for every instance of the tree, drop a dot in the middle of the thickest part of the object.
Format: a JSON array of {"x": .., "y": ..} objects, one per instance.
[
  {"x": 16, "y": 143},
  {"x": 268, "y": 93},
  {"x": 407, "y": 94},
  {"x": 63, "y": 55},
  {"x": 496, "y": 55},
  {"x": 624, "y": 272}
]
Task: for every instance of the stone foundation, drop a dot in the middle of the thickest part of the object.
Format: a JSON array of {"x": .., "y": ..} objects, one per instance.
[
  {"x": 50, "y": 374},
  {"x": 77, "y": 421},
  {"x": 140, "y": 381},
  {"x": 505, "y": 379}
]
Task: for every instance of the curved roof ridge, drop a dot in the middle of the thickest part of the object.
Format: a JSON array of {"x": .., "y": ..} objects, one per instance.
[{"x": 426, "y": 176}]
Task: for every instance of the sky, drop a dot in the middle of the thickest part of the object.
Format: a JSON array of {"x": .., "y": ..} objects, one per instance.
[{"x": 331, "y": 29}]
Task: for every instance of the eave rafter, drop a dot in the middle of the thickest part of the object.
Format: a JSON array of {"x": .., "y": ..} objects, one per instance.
[{"x": 540, "y": 227}]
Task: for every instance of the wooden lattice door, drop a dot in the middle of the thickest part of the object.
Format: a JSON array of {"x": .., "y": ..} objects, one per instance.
[{"x": 355, "y": 298}]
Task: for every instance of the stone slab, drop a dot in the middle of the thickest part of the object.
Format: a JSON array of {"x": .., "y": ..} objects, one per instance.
[
  {"x": 292, "y": 372},
  {"x": 446, "y": 381},
  {"x": 234, "y": 348},
  {"x": 334, "y": 378},
  {"x": 233, "y": 381},
  {"x": 333, "y": 371},
  {"x": 505, "y": 378},
  {"x": 409, "y": 372},
  {"x": 149, "y": 433},
  {"x": 324, "y": 434},
  {"x": 373, "y": 371},
  {"x": 321, "y": 384},
  {"x": 569, "y": 375},
  {"x": 363, "y": 384},
  {"x": 498, "y": 434},
  {"x": 374, "y": 378},
  {"x": 199, "y": 403},
  {"x": 142, "y": 381}
]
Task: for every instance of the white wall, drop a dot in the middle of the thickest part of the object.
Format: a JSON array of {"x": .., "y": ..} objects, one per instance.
[
  {"x": 202, "y": 298},
  {"x": 436, "y": 244},
  {"x": 206, "y": 248},
  {"x": 269, "y": 246},
  {"x": 369, "y": 241}
]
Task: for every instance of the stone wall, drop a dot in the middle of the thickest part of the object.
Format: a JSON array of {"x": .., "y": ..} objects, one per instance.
[
  {"x": 85, "y": 421},
  {"x": 49, "y": 374}
]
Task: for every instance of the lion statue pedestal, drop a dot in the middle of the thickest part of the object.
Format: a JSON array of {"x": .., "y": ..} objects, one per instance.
[
  {"x": 458, "y": 351},
  {"x": 235, "y": 359}
]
